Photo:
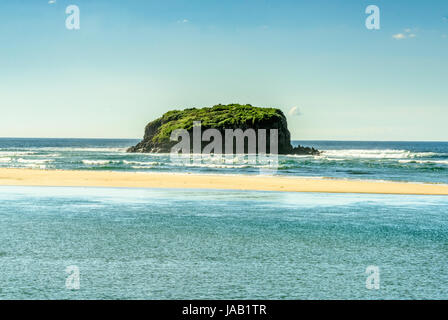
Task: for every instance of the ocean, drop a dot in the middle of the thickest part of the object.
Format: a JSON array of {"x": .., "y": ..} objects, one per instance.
[
  {"x": 397, "y": 161},
  {"x": 211, "y": 244},
  {"x": 203, "y": 244}
]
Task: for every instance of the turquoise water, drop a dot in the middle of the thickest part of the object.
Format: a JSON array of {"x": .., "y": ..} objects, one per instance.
[
  {"x": 398, "y": 161},
  {"x": 192, "y": 244}
]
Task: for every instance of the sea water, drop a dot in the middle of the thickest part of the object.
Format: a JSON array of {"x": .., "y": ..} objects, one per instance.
[
  {"x": 193, "y": 244},
  {"x": 397, "y": 161},
  {"x": 196, "y": 244}
]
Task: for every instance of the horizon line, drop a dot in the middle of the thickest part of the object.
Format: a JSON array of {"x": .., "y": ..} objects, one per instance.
[{"x": 311, "y": 140}]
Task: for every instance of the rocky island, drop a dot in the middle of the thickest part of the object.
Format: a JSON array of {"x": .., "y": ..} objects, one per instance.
[{"x": 220, "y": 117}]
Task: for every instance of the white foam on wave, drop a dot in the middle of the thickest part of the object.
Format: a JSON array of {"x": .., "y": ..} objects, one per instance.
[
  {"x": 425, "y": 161},
  {"x": 34, "y": 166},
  {"x": 99, "y": 162},
  {"x": 15, "y": 153},
  {"x": 301, "y": 156},
  {"x": 142, "y": 167},
  {"x": 141, "y": 163},
  {"x": 50, "y": 155},
  {"x": 213, "y": 165},
  {"x": 34, "y": 161},
  {"x": 5, "y": 160},
  {"x": 375, "y": 154}
]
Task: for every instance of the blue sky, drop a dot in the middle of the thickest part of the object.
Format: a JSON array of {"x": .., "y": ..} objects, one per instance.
[{"x": 131, "y": 61}]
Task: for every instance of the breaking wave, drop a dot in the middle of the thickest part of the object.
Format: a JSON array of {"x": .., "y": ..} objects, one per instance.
[
  {"x": 378, "y": 154},
  {"x": 99, "y": 162}
]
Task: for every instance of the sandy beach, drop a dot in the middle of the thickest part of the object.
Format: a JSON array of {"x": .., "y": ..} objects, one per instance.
[{"x": 34, "y": 177}]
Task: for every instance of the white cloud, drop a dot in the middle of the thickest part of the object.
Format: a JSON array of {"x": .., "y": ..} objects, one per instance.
[
  {"x": 51, "y": 1},
  {"x": 183, "y": 21},
  {"x": 407, "y": 33},
  {"x": 399, "y": 36},
  {"x": 295, "y": 112}
]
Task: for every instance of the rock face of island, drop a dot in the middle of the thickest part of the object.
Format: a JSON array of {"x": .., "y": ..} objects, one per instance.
[{"x": 220, "y": 117}]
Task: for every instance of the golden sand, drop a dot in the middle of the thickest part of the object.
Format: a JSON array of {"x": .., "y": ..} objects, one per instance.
[{"x": 32, "y": 177}]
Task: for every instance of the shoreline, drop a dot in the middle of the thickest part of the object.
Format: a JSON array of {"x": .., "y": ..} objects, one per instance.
[{"x": 72, "y": 178}]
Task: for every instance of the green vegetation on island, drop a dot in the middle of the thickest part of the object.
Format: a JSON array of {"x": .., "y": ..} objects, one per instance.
[{"x": 220, "y": 117}]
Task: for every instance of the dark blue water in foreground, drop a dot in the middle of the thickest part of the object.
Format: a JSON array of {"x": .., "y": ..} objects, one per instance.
[
  {"x": 399, "y": 161},
  {"x": 193, "y": 244}
]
